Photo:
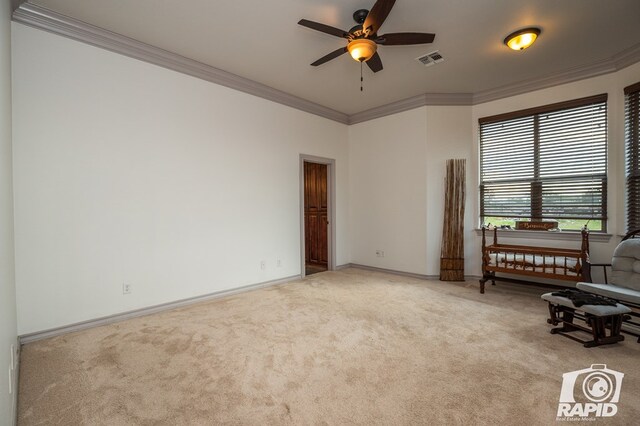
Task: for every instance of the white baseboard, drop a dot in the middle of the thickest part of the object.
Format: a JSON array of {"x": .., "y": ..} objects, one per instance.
[
  {"x": 402, "y": 273},
  {"x": 45, "y": 334},
  {"x": 32, "y": 337},
  {"x": 340, "y": 267},
  {"x": 395, "y": 272}
]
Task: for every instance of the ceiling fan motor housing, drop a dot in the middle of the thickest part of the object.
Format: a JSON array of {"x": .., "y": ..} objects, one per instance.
[
  {"x": 356, "y": 31},
  {"x": 360, "y": 15}
]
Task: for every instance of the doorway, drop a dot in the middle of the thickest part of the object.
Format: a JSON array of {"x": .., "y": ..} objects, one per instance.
[{"x": 317, "y": 214}]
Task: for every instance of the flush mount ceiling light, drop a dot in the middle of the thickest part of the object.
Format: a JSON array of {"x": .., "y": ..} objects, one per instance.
[
  {"x": 362, "y": 49},
  {"x": 521, "y": 39}
]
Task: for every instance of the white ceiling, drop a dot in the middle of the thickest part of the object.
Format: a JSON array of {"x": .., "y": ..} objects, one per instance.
[{"x": 260, "y": 40}]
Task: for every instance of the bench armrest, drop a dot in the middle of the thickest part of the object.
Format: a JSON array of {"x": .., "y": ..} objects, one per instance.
[{"x": 587, "y": 270}]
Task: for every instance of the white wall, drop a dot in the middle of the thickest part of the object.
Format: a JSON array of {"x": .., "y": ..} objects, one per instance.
[
  {"x": 448, "y": 136},
  {"x": 397, "y": 176},
  {"x": 128, "y": 172},
  {"x": 387, "y": 166},
  {"x": 7, "y": 282},
  {"x": 613, "y": 84},
  {"x": 396, "y": 166}
]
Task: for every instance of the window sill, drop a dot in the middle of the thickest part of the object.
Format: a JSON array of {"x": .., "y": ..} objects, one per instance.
[{"x": 546, "y": 235}]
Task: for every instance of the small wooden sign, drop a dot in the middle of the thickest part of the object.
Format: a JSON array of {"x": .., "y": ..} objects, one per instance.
[{"x": 536, "y": 225}]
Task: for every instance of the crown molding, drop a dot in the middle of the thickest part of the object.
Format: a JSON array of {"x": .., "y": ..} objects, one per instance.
[
  {"x": 48, "y": 20},
  {"x": 615, "y": 63},
  {"x": 627, "y": 57},
  {"x": 551, "y": 80},
  {"x": 384, "y": 110},
  {"x": 45, "y": 19},
  {"x": 441, "y": 99}
]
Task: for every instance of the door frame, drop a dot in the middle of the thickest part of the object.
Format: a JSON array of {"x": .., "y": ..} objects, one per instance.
[{"x": 331, "y": 210}]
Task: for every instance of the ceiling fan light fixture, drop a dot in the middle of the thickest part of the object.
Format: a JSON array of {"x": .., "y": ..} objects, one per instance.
[
  {"x": 521, "y": 39},
  {"x": 362, "y": 49}
]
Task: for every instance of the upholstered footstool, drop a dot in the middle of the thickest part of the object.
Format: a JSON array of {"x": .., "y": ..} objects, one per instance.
[{"x": 598, "y": 319}]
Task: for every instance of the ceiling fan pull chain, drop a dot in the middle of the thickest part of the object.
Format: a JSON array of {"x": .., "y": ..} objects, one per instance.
[{"x": 361, "y": 79}]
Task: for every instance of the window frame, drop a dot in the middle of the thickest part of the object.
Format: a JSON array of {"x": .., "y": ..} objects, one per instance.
[
  {"x": 632, "y": 156},
  {"x": 534, "y": 113}
]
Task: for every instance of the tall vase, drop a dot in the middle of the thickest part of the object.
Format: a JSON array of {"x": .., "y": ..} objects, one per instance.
[{"x": 452, "y": 251}]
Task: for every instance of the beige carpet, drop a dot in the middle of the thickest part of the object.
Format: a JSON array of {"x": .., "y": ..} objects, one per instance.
[{"x": 348, "y": 347}]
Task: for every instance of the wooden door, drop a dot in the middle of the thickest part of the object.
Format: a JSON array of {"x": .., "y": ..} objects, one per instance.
[{"x": 316, "y": 218}]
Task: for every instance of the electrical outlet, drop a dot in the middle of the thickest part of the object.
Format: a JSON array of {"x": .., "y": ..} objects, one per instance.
[
  {"x": 279, "y": 263},
  {"x": 126, "y": 288},
  {"x": 263, "y": 265},
  {"x": 380, "y": 253}
]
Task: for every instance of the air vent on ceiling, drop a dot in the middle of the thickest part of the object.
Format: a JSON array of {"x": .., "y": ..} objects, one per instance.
[{"x": 430, "y": 59}]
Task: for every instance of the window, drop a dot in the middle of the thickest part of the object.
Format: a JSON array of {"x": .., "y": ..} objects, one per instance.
[
  {"x": 548, "y": 162},
  {"x": 632, "y": 137}
]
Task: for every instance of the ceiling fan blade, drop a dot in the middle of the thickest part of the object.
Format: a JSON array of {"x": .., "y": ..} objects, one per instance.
[
  {"x": 330, "y": 56},
  {"x": 323, "y": 28},
  {"x": 397, "y": 39},
  {"x": 377, "y": 15},
  {"x": 375, "y": 63}
]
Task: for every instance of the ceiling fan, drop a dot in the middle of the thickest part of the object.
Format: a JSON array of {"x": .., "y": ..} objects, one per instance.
[{"x": 363, "y": 39}]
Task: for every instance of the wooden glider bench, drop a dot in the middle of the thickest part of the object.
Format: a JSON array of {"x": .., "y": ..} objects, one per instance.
[
  {"x": 598, "y": 318},
  {"x": 532, "y": 261}
]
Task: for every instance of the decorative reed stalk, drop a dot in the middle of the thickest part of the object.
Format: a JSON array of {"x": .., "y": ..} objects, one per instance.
[{"x": 452, "y": 251}]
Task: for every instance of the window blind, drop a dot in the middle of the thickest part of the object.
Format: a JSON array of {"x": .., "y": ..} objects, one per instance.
[
  {"x": 632, "y": 141},
  {"x": 546, "y": 163}
]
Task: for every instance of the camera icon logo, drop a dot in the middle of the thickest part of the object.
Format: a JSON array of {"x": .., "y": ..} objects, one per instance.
[{"x": 593, "y": 391}]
